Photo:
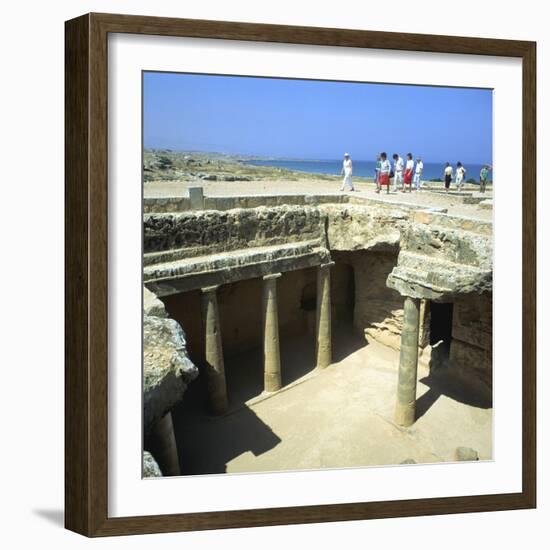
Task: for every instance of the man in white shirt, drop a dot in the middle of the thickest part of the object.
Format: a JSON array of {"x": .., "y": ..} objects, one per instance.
[
  {"x": 418, "y": 169},
  {"x": 398, "y": 166},
  {"x": 347, "y": 172},
  {"x": 459, "y": 176},
  {"x": 448, "y": 174}
]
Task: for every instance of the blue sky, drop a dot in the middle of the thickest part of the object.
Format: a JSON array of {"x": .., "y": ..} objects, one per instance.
[{"x": 307, "y": 119}]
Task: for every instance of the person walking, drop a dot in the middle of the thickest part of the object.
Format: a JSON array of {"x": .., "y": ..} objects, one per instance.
[
  {"x": 448, "y": 176},
  {"x": 398, "y": 166},
  {"x": 408, "y": 175},
  {"x": 385, "y": 169},
  {"x": 418, "y": 169},
  {"x": 377, "y": 173},
  {"x": 483, "y": 177},
  {"x": 459, "y": 176},
  {"x": 347, "y": 172}
]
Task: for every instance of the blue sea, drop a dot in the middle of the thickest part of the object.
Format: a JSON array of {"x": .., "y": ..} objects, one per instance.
[{"x": 362, "y": 168}]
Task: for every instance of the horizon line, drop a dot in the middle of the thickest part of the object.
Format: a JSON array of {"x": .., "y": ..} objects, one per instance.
[{"x": 253, "y": 156}]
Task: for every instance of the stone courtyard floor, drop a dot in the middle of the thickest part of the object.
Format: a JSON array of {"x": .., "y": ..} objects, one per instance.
[{"x": 339, "y": 417}]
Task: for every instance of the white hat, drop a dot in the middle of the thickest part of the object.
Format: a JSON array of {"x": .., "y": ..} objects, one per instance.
[{"x": 346, "y": 154}]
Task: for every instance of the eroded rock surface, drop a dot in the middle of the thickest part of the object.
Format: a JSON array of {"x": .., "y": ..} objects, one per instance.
[
  {"x": 167, "y": 369},
  {"x": 152, "y": 305},
  {"x": 150, "y": 466},
  {"x": 352, "y": 227},
  {"x": 220, "y": 231},
  {"x": 440, "y": 263}
]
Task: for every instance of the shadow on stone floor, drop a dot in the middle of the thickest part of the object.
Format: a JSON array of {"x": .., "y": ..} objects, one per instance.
[
  {"x": 207, "y": 443},
  {"x": 443, "y": 382},
  {"x": 244, "y": 372}
]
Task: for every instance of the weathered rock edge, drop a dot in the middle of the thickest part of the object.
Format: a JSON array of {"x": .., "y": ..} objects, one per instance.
[
  {"x": 150, "y": 466},
  {"x": 167, "y": 369}
]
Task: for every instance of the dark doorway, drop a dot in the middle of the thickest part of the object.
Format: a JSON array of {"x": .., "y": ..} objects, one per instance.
[
  {"x": 342, "y": 293},
  {"x": 441, "y": 329}
]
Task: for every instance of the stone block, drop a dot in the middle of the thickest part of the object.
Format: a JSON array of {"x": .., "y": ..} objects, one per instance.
[
  {"x": 473, "y": 320},
  {"x": 471, "y": 363},
  {"x": 196, "y": 197}
]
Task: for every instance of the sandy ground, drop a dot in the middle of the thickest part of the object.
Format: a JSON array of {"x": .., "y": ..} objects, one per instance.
[
  {"x": 423, "y": 198},
  {"x": 339, "y": 417}
]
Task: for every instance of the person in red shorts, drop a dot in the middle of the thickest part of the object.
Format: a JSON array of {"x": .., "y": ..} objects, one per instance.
[
  {"x": 385, "y": 169},
  {"x": 408, "y": 175}
]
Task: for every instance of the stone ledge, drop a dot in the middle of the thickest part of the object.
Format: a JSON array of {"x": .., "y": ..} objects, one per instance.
[
  {"x": 462, "y": 223},
  {"x": 211, "y": 202},
  {"x": 419, "y": 276},
  {"x": 229, "y": 267}
]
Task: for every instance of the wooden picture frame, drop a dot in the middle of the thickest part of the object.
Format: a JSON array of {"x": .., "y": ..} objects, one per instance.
[{"x": 86, "y": 283}]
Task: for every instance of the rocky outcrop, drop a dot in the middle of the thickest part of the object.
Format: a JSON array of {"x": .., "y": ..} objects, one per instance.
[
  {"x": 223, "y": 177},
  {"x": 167, "y": 370},
  {"x": 352, "y": 227},
  {"x": 441, "y": 263},
  {"x": 150, "y": 466},
  {"x": 152, "y": 305}
]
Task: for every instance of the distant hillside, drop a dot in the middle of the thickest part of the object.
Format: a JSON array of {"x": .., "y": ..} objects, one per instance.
[{"x": 167, "y": 165}]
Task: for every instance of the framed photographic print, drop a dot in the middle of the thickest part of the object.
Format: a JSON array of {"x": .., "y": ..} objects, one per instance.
[{"x": 300, "y": 274}]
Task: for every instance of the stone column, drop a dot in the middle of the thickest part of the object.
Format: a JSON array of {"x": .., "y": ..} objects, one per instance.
[
  {"x": 162, "y": 443},
  {"x": 272, "y": 358},
  {"x": 324, "y": 332},
  {"x": 408, "y": 362},
  {"x": 217, "y": 391}
]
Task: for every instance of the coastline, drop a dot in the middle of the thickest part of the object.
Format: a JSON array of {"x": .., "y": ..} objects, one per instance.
[{"x": 194, "y": 166}]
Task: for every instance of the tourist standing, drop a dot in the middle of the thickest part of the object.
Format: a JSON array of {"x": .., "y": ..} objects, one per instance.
[
  {"x": 459, "y": 176},
  {"x": 385, "y": 169},
  {"x": 408, "y": 175},
  {"x": 347, "y": 172},
  {"x": 398, "y": 166},
  {"x": 448, "y": 175},
  {"x": 418, "y": 169},
  {"x": 377, "y": 173},
  {"x": 483, "y": 177}
]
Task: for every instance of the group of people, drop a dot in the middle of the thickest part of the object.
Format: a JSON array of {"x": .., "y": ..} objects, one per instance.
[
  {"x": 402, "y": 173},
  {"x": 459, "y": 174},
  {"x": 408, "y": 173}
]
